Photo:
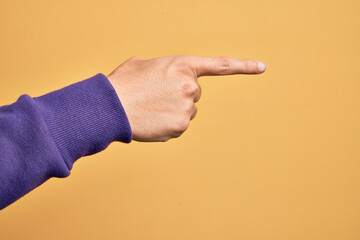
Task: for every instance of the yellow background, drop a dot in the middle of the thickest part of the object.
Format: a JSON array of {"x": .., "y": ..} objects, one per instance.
[{"x": 271, "y": 156}]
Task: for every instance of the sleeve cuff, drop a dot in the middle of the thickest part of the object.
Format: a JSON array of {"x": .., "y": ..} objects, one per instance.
[{"x": 85, "y": 117}]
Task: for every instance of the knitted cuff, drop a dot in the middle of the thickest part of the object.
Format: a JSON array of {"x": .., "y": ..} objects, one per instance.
[{"x": 85, "y": 117}]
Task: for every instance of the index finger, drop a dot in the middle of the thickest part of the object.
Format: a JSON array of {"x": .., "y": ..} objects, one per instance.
[{"x": 213, "y": 66}]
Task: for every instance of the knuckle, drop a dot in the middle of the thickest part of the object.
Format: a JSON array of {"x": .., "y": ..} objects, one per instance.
[
  {"x": 224, "y": 64},
  {"x": 182, "y": 125},
  {"x": 249, "y": 66},
  {"x": 135, "y": 58},
  {"x": 190, "y": 87},
  {"x": 199, "y": 95},
  {"x": 196, "y": 88},
  {"x": 180, "y": 64},
  {"x": 189, "y": 107},
  {"x": 194, "y": 113},
  {"x": 177, "y": 60}
]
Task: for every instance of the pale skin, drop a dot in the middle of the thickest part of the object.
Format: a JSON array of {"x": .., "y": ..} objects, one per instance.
[{"x": 159, "y": 95}]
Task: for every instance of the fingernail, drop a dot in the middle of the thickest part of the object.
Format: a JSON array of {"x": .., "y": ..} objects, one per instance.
[{"x": 261, "y": 66}]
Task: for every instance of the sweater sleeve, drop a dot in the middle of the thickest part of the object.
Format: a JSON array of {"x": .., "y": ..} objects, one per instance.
[{"x": 42, "y": 137}]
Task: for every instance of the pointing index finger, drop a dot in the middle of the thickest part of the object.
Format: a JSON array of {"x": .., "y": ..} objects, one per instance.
[{"x": 213, "y": 66}]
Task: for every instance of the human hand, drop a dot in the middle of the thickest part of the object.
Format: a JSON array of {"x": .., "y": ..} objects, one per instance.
[{"x": 159, "y": 94}]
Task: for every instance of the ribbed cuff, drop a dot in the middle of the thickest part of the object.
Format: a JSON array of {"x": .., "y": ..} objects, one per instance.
[{"x": 85, "y": 117}]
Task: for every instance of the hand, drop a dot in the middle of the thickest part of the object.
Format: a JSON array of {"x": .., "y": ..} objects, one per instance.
[{"x": 159, "y": 94}]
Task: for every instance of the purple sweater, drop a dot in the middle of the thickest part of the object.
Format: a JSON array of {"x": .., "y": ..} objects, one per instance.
[{"x": 41, "y": 137}]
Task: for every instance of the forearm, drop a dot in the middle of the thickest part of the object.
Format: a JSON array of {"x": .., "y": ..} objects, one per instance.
[{"x": 42, "y": 137}]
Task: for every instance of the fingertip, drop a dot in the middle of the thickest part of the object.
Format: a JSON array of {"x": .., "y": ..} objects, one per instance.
[{"x": 261, "y": 66}]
